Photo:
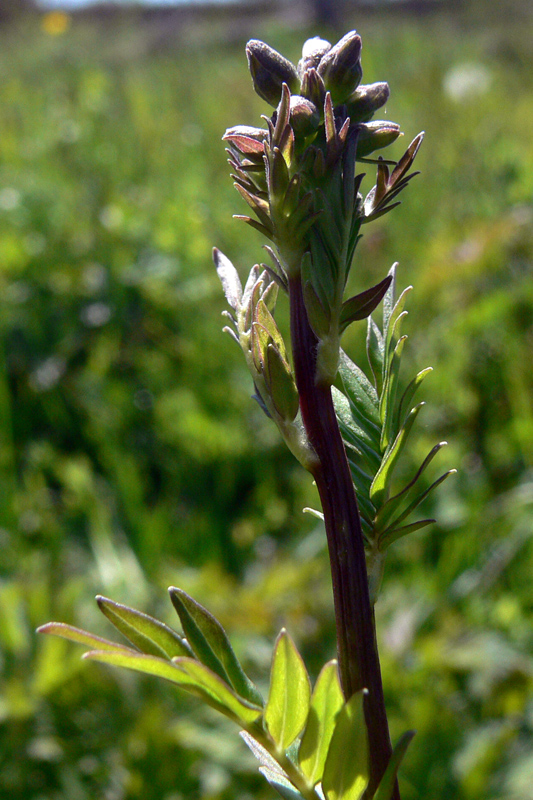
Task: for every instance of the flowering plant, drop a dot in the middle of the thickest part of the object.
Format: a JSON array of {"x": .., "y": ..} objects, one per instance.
[{"x": 347, "y": 427}]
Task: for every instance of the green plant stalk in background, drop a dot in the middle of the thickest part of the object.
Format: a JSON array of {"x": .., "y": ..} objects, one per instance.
[{"x": 299, "y": 177}]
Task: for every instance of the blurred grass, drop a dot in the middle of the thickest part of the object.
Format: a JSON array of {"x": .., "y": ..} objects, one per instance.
[{"x": 132, "y": 458}]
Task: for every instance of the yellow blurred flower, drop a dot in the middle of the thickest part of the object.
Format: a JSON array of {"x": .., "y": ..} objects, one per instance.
[{"x": 55, "y": 23}]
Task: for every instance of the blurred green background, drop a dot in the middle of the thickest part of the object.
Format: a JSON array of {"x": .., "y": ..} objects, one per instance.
[{"x": 131, "y": 455}]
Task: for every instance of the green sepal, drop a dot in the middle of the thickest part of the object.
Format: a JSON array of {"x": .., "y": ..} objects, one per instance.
[
  {"x": 326, "y": 702},
  {"x": 187, "y": 673},
  {"x": 386, "y": 785},
  {"x": 80, "y": 636},
  {"x": 363, "y": 304},
  {"x": 287, "y": 706},
  {"x": 346, "y": 768},
  {"x": 210, "y": 644},
  {"x": 379, "y": 491},
  {"x": 146, "y": 633}
]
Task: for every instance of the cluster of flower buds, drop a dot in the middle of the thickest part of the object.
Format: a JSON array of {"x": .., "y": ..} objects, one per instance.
[{"x": 298, "y": 176}]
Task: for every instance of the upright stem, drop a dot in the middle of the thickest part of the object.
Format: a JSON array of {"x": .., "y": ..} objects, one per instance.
[{"x": 356, "y": 638}]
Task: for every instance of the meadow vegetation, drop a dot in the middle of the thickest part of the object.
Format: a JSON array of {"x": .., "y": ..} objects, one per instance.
[{"x": 131, "y": 454}]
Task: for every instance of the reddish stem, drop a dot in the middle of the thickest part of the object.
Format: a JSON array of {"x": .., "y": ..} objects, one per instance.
[{"x": 356, "y": 638}]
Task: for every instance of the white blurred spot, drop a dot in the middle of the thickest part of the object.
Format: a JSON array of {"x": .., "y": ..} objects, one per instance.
[
  {"x": 95, "y": 315},
  {"x": 466, "y": 80}
]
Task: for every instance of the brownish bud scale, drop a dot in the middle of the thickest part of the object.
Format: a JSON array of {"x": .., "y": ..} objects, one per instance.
[
  {"x": 247, "y": 140},
  {"x": 312, "y": 51},
  {"x": 341, "y": 68},
  {"x": 366, "y": 100},
  {"x": 375, "y": 135},
  {"x": 305, "y": 117},
  {"x": 270, "y": 70}
]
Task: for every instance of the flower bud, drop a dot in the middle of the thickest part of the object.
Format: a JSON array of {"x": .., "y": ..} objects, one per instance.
[
  {"x": 375, "y": 135},
  {"x": 366, "y": 100},
  {"x": 341, "y": 67},
  {"x": 305, "y": 118},
  {"x": 247, "y": 140},
  {"x": 312, "y": 52},
  {"x": 313, "y": 88},
  {"x": 270, "y": 70}
]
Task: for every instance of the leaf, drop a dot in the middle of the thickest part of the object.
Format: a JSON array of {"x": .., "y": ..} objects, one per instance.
[
  {"x": 363, "y": 304},
  {"x": 410, "y": 391},
  {"x": 147, "y": 634},
  {"x": 211, "y": 645},
  {"x": 374, "y": 352},
  {"x": 393, "y": 534},
  {"x": 388, "y": 300},
  {"x": 381, "y": 483},
  {"x": 346, "y": 768},
  {"x": 229, "y": 278},
  {"x": 261, "y": 753},
  {"x": 281, "y": 784},
  {"x": 80, "y": 636},
  {"x": 386, "y": 785},
  {"x": 290, "y": 690},
  {"x": 359, "y": 389},
  {"x": 326, "y": 702},
  {"x": 387, "y": 406},
  {"x": 187, "y": 673},
  {"x": 281, "y": 384}
]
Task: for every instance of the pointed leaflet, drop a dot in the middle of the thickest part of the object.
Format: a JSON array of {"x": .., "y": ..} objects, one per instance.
[
  {"x": 147, "y": 634},
  {"x": 393, "y": 534},
  {"x": 81, "y": 637},
  {"x": 363, "y": 304},
  {"x": 379, "y": 491},
  {"x": 282, "y": 388},
  {"x": 346, "y": 768},
  {"x": 374, "y": 352},
  {"x": 388, "y": 510},
  {"x": 358, "y": 388},
  {"x": 386, "y": 785},
  {"x": 288, "y": 698},
  {"x": 211, "y": 645},
  {"x": 326, "y": 702},
  {"x": 187, "y": 673}
]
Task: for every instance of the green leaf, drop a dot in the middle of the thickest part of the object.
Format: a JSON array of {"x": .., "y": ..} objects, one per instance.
[
  {"x": 346, "y": 768},
  {"x": 326, "y": 702},
  {"x": 388, "y": 300},
  {"x": 264, "y": 318},
  {"x": 358, "y": 389},
  {"x": 391, "y": 330},
  {"x": 409, "y": 393},
  {"x": 147, "y": 634},
  {"x": 386, "y": 785},
  {"x": 281, "y": 384},
  {"x": 211, "y": 645},
  {"x": 387, "y": 406},
  {"x": 290, "y": 691},
  {"x": 363, "y": 304},
  {"x": 387, "y": 511},
  {"x": 80, "y": 636},
  {"x": 379, "y": 490},
  {"x": 187, "y": 673},
  {"x": 393, "y": 534},
  {"x": 374, "y": 351}
]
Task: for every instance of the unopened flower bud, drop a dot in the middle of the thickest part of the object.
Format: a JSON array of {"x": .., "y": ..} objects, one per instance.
[
  {"x": 312, "y": 51},
  {"x": 305, "y": 118},
  {"x": 375, "y": 135},
  {"x": 270, "y": 70},
  {"x": 341, "y": 67},
  {"x": 366, "y": 100},
  {"x": 313, "y": 88}
]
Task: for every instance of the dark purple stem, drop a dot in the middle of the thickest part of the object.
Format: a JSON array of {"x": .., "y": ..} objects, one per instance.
[{"x": 356, "y": 638}]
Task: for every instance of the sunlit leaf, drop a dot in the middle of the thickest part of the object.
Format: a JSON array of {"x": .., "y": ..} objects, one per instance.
[
  {"x": 346, "y": 767},
  {"x": 326, "y": 702},
  {"x": 147, "y": 634},
  {"x": 210, "y": 643},
  {"x": 290, "y": 691}
]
